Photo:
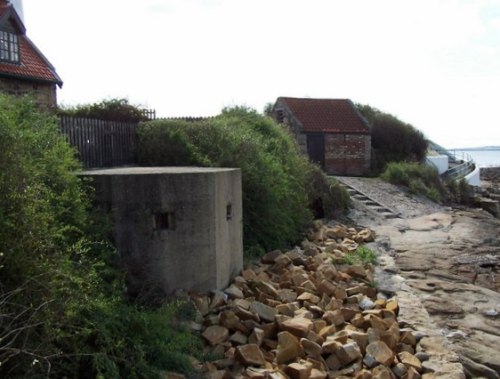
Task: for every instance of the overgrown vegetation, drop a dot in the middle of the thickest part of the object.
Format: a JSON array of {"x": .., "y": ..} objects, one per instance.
[
  {"x": 63, "y": 311},
  {"x": 280, "y": 186},
  {"x": 110, "y": 109},
  {"x": 419, "y": 178},
  {"x": 392, "y": 139}
]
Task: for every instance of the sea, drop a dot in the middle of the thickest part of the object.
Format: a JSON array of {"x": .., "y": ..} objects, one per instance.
[{"x": 482, "y": 157}]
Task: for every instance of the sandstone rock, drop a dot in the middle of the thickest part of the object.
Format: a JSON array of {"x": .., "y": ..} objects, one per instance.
[
  {"x": 264, "y": 312},
  {"x": 287, "y": 309},
  {"x": 327, "y": 287},
  {"x": 381, "y": 352},
  {"x": 407, "y": 337},
  {"x": 366, "y": 235},
  {"x": 310, "y": 348},
  {"x": 287, "y": 295},
  {"x": 234, "y": 292},
  {"x": 334, "y": 317},
  {"x": 308, "y": 296},
  {"x": 218, "y": 300},
  {"x": 364, "y": 374},
  {"x": 348, "y": 353},
  {"x": 392, "y": 305},
  {"x": 360, "y": 338},
  {"x": 348, "y": 313},
  {"x": 256, "y": 337},
  {"x": 288, "y": 348},
  {"x": 270, "y": 257},
  {"x": 267, "y": 288},
  {"x": 216, "y": 334},
  {"x": 229, "y": 320},
  {"x": 327, "y": 331},
  {"x": 337, "y": 232},
  {"x": 412, "y": 374},
  {"x": 333, "y": 363},
  {"x": 245, "y": 314},
  {"x": 317, "y": 374},
  {"x": 299, "y": 370},
  {"x": 250, "y": 355},
  {"x": 400, "y": 370},
  {"x": 409, "y": 360},
  {"x": 382, "y": 372},
  {"x": 298, "y": 326},
  {"x": 357, "y": 271},
  {"x": 238, "y": 338},
  {"x": 248, "y": 274}
]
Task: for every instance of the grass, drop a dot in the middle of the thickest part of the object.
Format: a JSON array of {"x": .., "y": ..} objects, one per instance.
[{"x": 362, "y": 255}]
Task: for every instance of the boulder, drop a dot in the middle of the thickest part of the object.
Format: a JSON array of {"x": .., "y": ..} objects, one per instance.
[
  {"x": 288, "y": 349},
  {"x": 216, "y": 334},
  {"x": 250, "y": 355},
  {"x": 380, "y": 352}
]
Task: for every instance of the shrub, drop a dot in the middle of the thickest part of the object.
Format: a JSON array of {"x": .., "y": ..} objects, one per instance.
[
  {"x": 111, "y": 109},
  {"x": 362, "y": 255},
  {"x": 392, "y": 139},
  {"x": 62, "y": 304},
  {"x": 277, "y": 180},
  {"x": 419, "y": 178}
]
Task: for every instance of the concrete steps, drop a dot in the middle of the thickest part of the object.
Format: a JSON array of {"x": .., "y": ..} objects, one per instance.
[{"x": 370, "y": 203}]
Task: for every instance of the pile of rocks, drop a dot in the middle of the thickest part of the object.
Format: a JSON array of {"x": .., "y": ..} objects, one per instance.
[{"x": 305, "y": 314}]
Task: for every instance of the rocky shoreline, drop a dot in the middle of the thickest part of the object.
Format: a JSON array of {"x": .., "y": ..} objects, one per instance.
[
  {"x": 430, "y": 308},
  {"x": 306, "y": 314}
]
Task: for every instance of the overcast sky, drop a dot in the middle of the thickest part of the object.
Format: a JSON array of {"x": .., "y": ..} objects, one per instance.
[{"x": 433, "y": 63}]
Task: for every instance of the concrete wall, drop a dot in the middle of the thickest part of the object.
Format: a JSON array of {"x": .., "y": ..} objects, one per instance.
[
  {"x": 440, "y": 162},
  {"x": 45, "y": 93},
  {"x": 474, "y": 178},
  {"x": 175, "y": 227}
]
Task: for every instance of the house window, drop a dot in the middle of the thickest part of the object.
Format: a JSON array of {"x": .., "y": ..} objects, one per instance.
[
  {"x": 280, "y": 116},
  {"x": 9, "y": 47}
]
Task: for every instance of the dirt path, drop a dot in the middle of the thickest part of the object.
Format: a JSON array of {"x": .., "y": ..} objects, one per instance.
[{"x": 450, "y": 260}]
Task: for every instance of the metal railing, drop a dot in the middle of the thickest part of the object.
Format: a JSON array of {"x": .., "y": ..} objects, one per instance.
[{"x": 465, "y": 165}]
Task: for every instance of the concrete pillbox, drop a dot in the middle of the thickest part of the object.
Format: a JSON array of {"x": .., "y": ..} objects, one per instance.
[{"x": 174, "y": 227}]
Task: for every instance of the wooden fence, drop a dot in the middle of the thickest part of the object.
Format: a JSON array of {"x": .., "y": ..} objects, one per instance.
[{"x": 101, "y": 143}]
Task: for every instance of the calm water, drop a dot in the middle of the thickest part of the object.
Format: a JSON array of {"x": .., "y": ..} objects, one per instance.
[{"x": 483, "y": 158}]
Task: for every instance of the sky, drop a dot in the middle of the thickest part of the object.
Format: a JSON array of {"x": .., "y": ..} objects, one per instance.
[{"x": 432, "y": 63}]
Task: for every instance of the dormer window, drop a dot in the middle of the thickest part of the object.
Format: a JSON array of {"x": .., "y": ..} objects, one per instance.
[{"x": 9, "y": 47}]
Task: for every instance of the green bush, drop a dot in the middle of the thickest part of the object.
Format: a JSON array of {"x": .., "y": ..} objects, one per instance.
[
  {"x": 392, "y": 139},
  {"x": 111, "y": 109},
  {"x": 362, "y": 255},
  {"x": 277, "y": 180},
  {"x": 419, "y": 178},
  {"x": 63, "y": 311}
]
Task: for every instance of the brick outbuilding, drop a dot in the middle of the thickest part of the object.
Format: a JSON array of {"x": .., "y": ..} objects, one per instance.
[
  {"x": 330, "y": 131},
  {"x": 23, "y": 67}
]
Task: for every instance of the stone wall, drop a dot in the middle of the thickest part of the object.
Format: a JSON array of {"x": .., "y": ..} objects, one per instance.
[
  {"x": 174, "y": 227},
  {"x": 45, "y": 93}
]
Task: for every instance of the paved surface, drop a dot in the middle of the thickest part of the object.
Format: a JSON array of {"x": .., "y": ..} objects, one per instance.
[{"x": 445, "y": 262}]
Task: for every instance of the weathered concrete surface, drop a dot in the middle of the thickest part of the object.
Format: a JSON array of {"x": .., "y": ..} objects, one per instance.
[
  {"x": 175, "y": 227},
  {"x": 449, "y": 259}
]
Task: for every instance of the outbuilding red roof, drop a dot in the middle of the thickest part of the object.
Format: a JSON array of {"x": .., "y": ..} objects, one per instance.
[
  {"x": 327, "y": 115},
  {"x": 33, "y": 65}
]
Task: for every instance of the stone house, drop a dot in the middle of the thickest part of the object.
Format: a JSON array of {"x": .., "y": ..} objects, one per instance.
[
  {"x": 23, "y": 67},
  {"x": 330, "y": 131}
]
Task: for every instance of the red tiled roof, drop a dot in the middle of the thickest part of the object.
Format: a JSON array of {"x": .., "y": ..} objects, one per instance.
[
  {"x": 327, "y": 115},
  {"x": 33, "y": 66}
]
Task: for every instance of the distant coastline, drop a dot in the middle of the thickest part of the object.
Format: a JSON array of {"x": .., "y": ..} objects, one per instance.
[
  {"x": 487, "y": 156},
  {"x": 481, "y": 148}
]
